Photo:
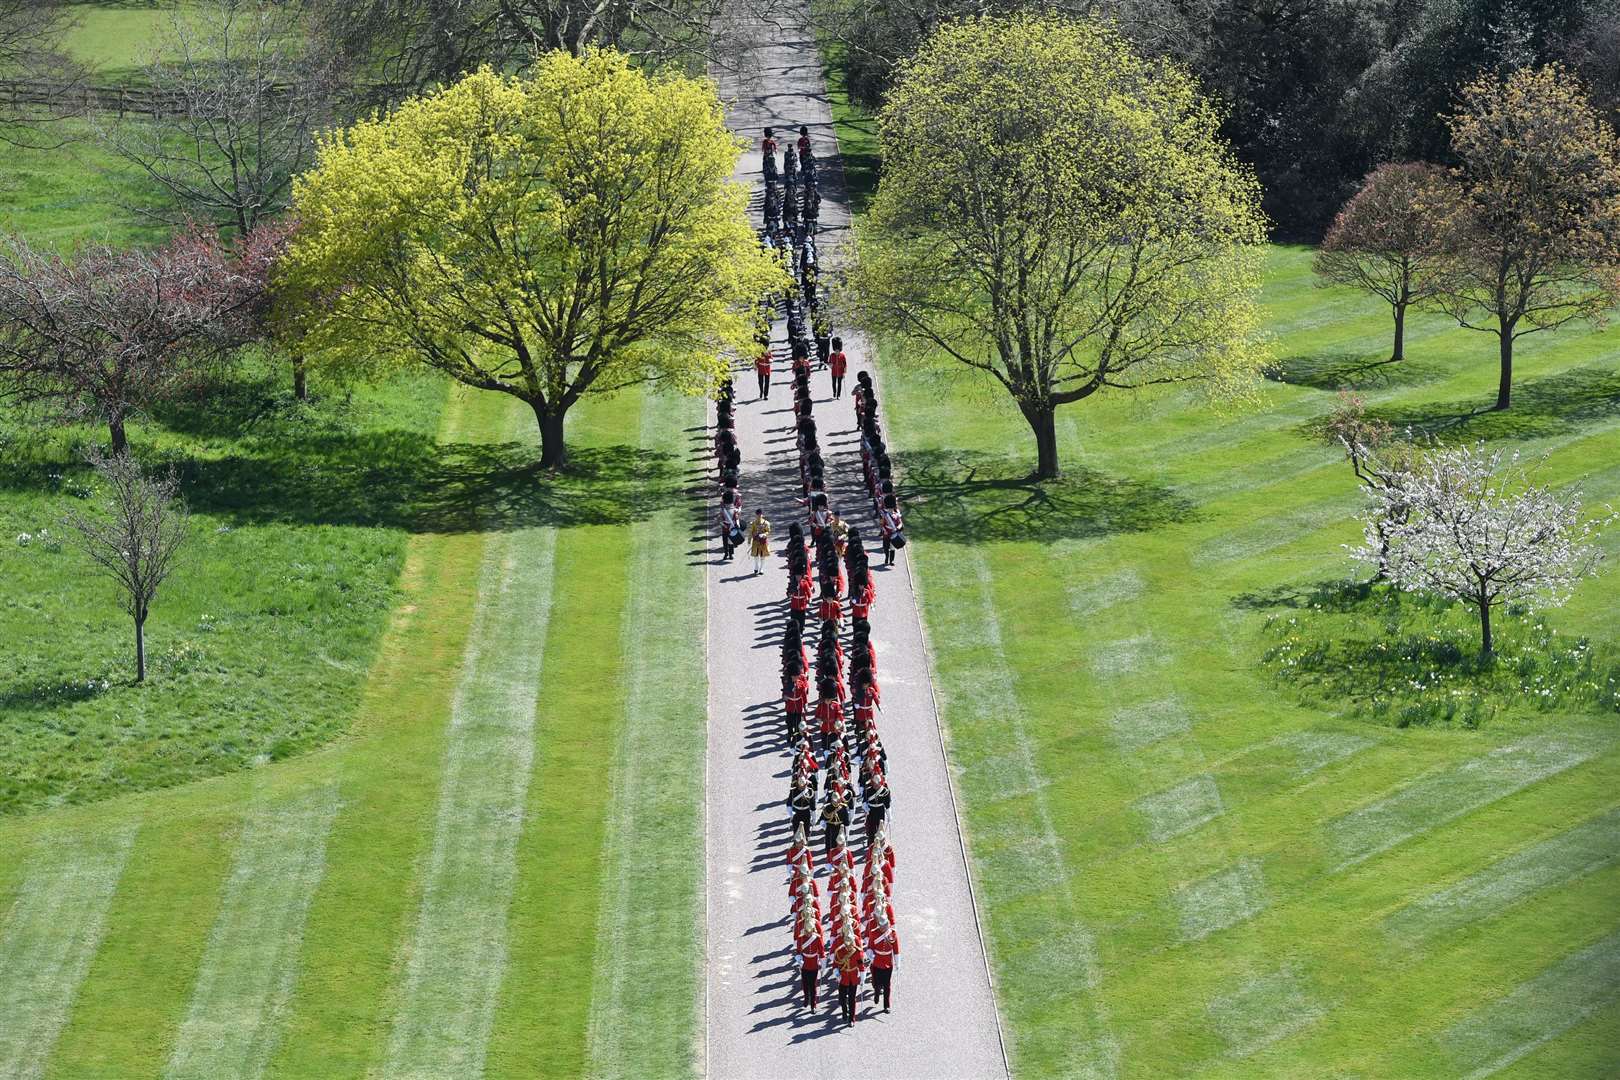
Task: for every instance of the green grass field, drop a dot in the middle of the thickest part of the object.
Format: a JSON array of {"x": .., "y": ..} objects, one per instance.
[
  {"x": 330, "y": 896},
  {"x": 1189, "y": 866},
  {"x": 262, "y": 638},
  {"x": 115, "y": 39}
]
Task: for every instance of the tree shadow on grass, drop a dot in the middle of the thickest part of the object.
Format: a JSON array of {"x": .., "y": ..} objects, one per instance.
[
  {"x": 407, "y": 480},
  {"x": 1411, "y": 660},
  {"x": 963, "y": 497},
  {"x": 1554, "y": 405},
  {"x": 1352, "y": 371}
]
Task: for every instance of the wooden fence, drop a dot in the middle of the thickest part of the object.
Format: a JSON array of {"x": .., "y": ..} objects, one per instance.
[{"x": 73, "y": 98}]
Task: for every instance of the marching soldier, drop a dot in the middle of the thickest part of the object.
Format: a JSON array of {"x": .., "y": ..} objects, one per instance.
[
  {"x": 885, "y": 950},
  {"x": 850, "y": 961}
]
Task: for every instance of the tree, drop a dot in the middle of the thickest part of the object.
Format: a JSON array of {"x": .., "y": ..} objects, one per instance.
[
  {"x": 1386, "y": 240},
  {"x": 1057, "y": 215},
  {"x": 410, "y": 46},
  {"x": 1535, "y": 241},
  {"x": 135, "y": 538},
  {"x": 31, "y": 35},
  {"x": 245, "y": 95},
  {"x": 574, "y": 232},
  {"x": 1477, "y": 531},
  {"x": 1382, "y": 459},
  {"x": 1592, "y": 50},
  {"x": 101, "y": 335}
]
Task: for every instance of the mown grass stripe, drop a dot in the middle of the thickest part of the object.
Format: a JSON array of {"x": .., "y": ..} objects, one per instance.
[
  {"x": 1265, "y": 1010},
  {"x": 50, "y": 935},
  {"x": 1223, "y": 899},
  {"x": 1537, "y": 1011},
  {"x": 235, "y": 1018},
  {"x": 645, "y": 987},
  {"x": 455, "y": 958},
  {"x": 1432, "y": 801},
  {"x": 1024, "y": 854},
  {"x": 1574, "y": 853},
  {"x": 1181, "y": 809}
]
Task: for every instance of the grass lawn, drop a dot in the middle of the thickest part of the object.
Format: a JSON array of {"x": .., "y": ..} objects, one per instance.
[
  {"x": 116, "y": 39},
  {"x": 361, "y": 857},
  {"x": 260, "y": 642},
  {"x": 1201, "y": 849},
  {"x": 1191, "y": 866}
]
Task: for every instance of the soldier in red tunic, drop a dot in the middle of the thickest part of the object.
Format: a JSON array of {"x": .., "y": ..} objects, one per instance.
[
  {"x": 811, "y": 946},
  {"x": 838, "y": 364},
  {"x": 885, "y": 949},
  {"x": 851, "y": 961}
]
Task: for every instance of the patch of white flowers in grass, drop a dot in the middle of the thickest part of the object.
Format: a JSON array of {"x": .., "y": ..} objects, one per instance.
[{"x": 43, "y": 539}]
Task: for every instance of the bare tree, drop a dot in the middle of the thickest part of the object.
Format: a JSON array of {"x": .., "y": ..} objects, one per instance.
[
  {"x": 247, "y": 93},
  {"x": 98, "y": 336},
  {"x": 409, "y": 45},
  {"x": 1477, "y": 530},
  {"x": 1383, "y": 460},
  {"x": 31, "y": 33},
  {"x": 134, "y": 539}
]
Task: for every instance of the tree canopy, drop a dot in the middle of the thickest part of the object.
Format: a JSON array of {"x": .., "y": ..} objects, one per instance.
[
  {"x": 573, "y": 231},
  {"x": 1535, "y": 240},
  {"x": 1057, "y": 214},
  {"x": 1387, "y": 239}
]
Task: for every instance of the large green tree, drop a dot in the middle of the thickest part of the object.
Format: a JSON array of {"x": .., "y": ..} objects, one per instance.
[
  {"x": 572, "y": 232},
  {"x": 1534, "y": 242},
  {"x": 1057, "y": 214}
]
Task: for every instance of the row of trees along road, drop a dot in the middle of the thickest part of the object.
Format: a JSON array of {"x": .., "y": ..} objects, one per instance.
[{"x": 1522, "y": 236}]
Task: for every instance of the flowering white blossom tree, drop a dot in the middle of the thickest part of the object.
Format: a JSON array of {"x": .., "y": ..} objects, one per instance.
[{"x": 1475, "y": 529}]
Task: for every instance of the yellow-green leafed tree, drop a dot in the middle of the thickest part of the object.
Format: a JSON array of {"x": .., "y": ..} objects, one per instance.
[
  {"x": 574, "y": 231},
  {"x": 1058, "y": 214}
]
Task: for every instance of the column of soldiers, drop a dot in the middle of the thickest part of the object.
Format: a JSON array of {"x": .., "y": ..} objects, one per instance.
[
  {"x": 877, "y": 469},
  {"x": 833, "y": 736},
  {"x": 728, "y": 459}
]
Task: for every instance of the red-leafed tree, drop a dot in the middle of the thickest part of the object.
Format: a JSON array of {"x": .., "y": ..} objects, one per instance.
[
  {"x": 99, "y": 335},
  {"x": 1388, "y": 239},
  {"x": 252, "y": 313}
]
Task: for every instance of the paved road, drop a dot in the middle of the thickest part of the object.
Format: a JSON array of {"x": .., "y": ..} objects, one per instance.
[{"x": 944, "y": 1021}]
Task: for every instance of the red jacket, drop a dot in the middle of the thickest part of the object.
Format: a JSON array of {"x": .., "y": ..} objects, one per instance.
[
  {"x": 838, "y": 363},
  {"x": 884, "y": 950},
  {"x": 810, "y": 953}
]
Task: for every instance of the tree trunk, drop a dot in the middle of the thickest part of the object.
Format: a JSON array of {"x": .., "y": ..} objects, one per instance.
[
  {"x": 120, "y": 442},
  {"x": 300, "y": 378},
  {"x": 1399, "y": 352},
  {"x": 140, "y": 648},
  {"x": 1487, "y": 647},
  {"x": 553, "y": 451},
  {"x": 1504, "y": 388},
  {"x": 1043, "y": 422}
]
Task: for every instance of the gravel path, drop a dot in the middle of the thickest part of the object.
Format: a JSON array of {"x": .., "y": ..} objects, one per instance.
[{"x": 944, "y": 1021}]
